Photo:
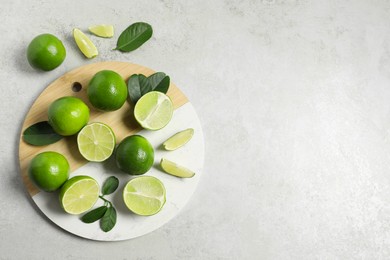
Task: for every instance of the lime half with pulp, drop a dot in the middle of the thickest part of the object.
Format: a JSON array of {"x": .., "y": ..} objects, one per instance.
[
  {"x": 144, "y": 195},
  {"x": 96, "y": 142}
]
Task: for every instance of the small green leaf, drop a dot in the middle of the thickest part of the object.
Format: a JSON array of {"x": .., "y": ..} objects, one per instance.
[
  {"x": 41, "y": 133},
  {"x": 134, "y": 88},
  {"x": 94, "y": 215},
  {"x": 138, "y": 85},
  {"x": 134, "y": 36},
  {"x": 110, "y": 185},
  {"x": 108, "y": 221}
]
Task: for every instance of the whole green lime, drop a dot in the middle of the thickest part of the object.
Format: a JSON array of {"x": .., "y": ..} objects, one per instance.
[
  {"x": 134, "y": 155},
  {"x": 46, "y": 52},
  {"x": 67, "y": 115},
  {"x": 107, "y": 90},
  {"x": 49, "y": 170}
]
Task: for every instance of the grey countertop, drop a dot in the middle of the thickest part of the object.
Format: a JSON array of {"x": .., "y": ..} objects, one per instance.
[{"x": 294, "y": 100}]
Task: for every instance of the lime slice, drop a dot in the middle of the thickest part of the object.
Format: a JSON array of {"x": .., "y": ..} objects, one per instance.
[
  {"x": 153, "y": 110},
  {"x": 85, "y": 45},
  {"x": 175, "y": 169},
  {"x": 102, "y": 30},
  {"x": 178, "y": 140},
  {"x": 144, "y": 195},
  {"x": 79, "y": 194},
  {"x": 96, "y": 142}
]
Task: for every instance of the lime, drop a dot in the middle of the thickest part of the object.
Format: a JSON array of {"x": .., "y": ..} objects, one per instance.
[
  {"x": 153, "y": 110},
  {"x": 96, "y": 142},
  {"x": 107, "y": 90},
  {"x": 49, "y": 170},
  {"x": 67, "y": 115},
  {"x": 134, "y": 155},
  {"x": 175, "y": 169},
  {"x": 79, "y": 194},
  {"x": 144, "y": 195},
  {"x": 102, "y": 30},
  {"x": 46, "y": 52},
  {"x": 85, "y": 45},
  {"x": 178, "y": 140}
]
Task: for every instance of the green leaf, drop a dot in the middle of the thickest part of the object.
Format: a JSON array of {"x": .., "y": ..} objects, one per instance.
[
  {"x": 110, "y": 185},
  {"x": 134, "y": 36},
  {"x": 94, "y": 215},
  {"x": 138, "y": 85},
  {"x": 108, "y": 221},
  {"x": 41, "y": 133}
]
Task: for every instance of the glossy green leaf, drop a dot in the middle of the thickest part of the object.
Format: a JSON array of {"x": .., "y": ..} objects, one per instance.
[
  {"x": 134, "y": 36},
  {"x": 108, "y": 221},
  {"x": 94, "y": 215},
  {"x": 110, "y": 185},
  {"x": 138, "y": 85},
  {"x": 40, "y": 134}
]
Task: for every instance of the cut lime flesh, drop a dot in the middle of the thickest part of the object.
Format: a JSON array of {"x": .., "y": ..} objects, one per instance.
[
  {"x": 178, "y": 140},
  {"x": 96, "y": 142},
  {"x": 175, "y": 169},
  {"x": 144, "y": 195},
  {"x": 85, "y": 45},
  {"x": 79, "y": 194},
  {"x": 153, "y": 110},
  {"x": 102, "y": 30}
]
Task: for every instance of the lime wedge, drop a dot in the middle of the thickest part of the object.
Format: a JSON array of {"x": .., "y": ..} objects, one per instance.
[
  {"x": 144, "y": 195},
  {"x": 96, "y": 142},
  {"x": 175, "y": 169},
  {"x": 102, "y": 30},
  {"x": 79, "y": 194},
  {"x": 153, "y": 110},
  {"x": 85, "y": 45},
  {"x": 178, "y": 140}
]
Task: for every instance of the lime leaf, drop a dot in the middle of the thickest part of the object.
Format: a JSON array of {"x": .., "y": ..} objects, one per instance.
[
  {"x": 40, "y": 134},
  {"x": 110, "y": 185},
  {"x": 108, "y": 221},
  {"x": 134, "y": 36},
  {"x": 94, "y": 215},
  {"x": 138, "y": 85}
]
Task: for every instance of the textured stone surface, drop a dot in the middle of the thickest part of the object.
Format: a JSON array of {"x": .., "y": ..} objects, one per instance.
[{"x": 294, "y": 100}]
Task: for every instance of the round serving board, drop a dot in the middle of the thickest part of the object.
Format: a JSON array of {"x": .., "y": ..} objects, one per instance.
[{"x": 129, "y": 225}]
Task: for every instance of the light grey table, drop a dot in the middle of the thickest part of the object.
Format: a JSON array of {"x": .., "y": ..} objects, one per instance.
[{"x": 294, "y": 100}]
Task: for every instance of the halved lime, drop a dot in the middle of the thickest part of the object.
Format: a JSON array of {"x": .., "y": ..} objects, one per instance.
[
  {"x": 144, "y": 195},
  {"x": 85, "y": 45},
  {"x": 178, "y": 140},
  {"x": 102, "y": 30},
  {"x": 153, "y": 110},
  {"x": 96, "y": 142},
  {"x": 175, "y": 169},
  {"x": 79, "y": 194}
]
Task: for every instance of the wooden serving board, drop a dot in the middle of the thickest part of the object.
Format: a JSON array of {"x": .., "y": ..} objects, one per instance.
[{"x": 121, "y": 120}]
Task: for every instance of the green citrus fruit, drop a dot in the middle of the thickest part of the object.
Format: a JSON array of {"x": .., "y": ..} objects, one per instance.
[
  {"x": 49, "y": 170},
  {"x": 144, "y": 195},
  {"x": 107, "y": 90},
  {"x": 46, "y": 52},
  {"x": 134, "y": 155},
  {"x": 79, "y": 194},
  {"x": 67, "y": 115}
]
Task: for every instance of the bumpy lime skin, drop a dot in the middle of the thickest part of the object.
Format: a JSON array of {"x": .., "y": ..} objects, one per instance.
[
  {"x": 67, "y": 115},
  {"x": 107, "y": 90},
  {"x": 46, "y": 52},
  {"x": 49, "y": 171},
  {"x": 134, "y": 155}
]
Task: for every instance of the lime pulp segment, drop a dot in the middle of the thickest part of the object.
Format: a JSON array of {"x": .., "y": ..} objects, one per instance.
[
  {"x": 175, "y": 169},
  {"x": 85, "y": 45},
  {"x": 178, "y": 140},
  {"x": 102, "y": 30}
]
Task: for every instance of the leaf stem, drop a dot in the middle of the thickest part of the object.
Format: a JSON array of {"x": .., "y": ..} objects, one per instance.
[{"x": 107, "y": 201}]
